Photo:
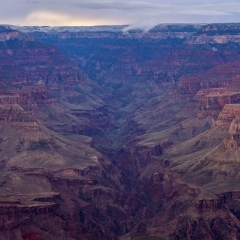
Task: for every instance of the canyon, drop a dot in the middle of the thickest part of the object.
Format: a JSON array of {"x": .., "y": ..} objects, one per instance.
[{"x": 114, "y": 134}]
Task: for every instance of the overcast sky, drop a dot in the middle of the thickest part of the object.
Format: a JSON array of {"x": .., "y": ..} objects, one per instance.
[{"x": 144, "y": 13}]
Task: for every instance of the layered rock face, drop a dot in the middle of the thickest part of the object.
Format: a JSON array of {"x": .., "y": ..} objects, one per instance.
[
  {"x": 234, "y": 135},
  {"x": 229, "y": 113},
  {"x": 148, "y": 147},
  {"x": 41, "y": 90}
]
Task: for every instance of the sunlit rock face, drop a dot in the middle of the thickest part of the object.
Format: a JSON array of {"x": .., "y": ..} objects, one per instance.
[
  {"x": 234, "y": 129},
  {"x": 108, "y": 134},
  {"x": 233, "y": 141}
]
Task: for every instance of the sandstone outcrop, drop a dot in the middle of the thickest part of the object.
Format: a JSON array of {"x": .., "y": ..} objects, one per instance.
[{"x": 227, "y": 115}]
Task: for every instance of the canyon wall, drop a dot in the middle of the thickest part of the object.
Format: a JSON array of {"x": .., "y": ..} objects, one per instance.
[{"x": 114, "y": 134}]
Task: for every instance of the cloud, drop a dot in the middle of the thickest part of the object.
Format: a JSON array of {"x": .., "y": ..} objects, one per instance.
[
  {"x": 57, "y": 18},
  {"x": 144, "y": 26},
  {"x": 157, "y": 8},
  {"x": 51, "y": 18}
]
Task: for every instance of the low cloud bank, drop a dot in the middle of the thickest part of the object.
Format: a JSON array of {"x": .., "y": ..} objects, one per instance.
[{"x": 142, "y": 26}]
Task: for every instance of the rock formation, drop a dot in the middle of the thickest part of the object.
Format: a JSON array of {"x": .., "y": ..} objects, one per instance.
[{"x": 144, "y": 141}]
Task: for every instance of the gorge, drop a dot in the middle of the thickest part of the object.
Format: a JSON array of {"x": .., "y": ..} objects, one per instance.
[{"x": 108, "y": 134}]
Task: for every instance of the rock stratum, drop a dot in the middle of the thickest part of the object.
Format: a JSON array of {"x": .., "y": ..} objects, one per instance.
[{"x": 113, "y": 133}]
